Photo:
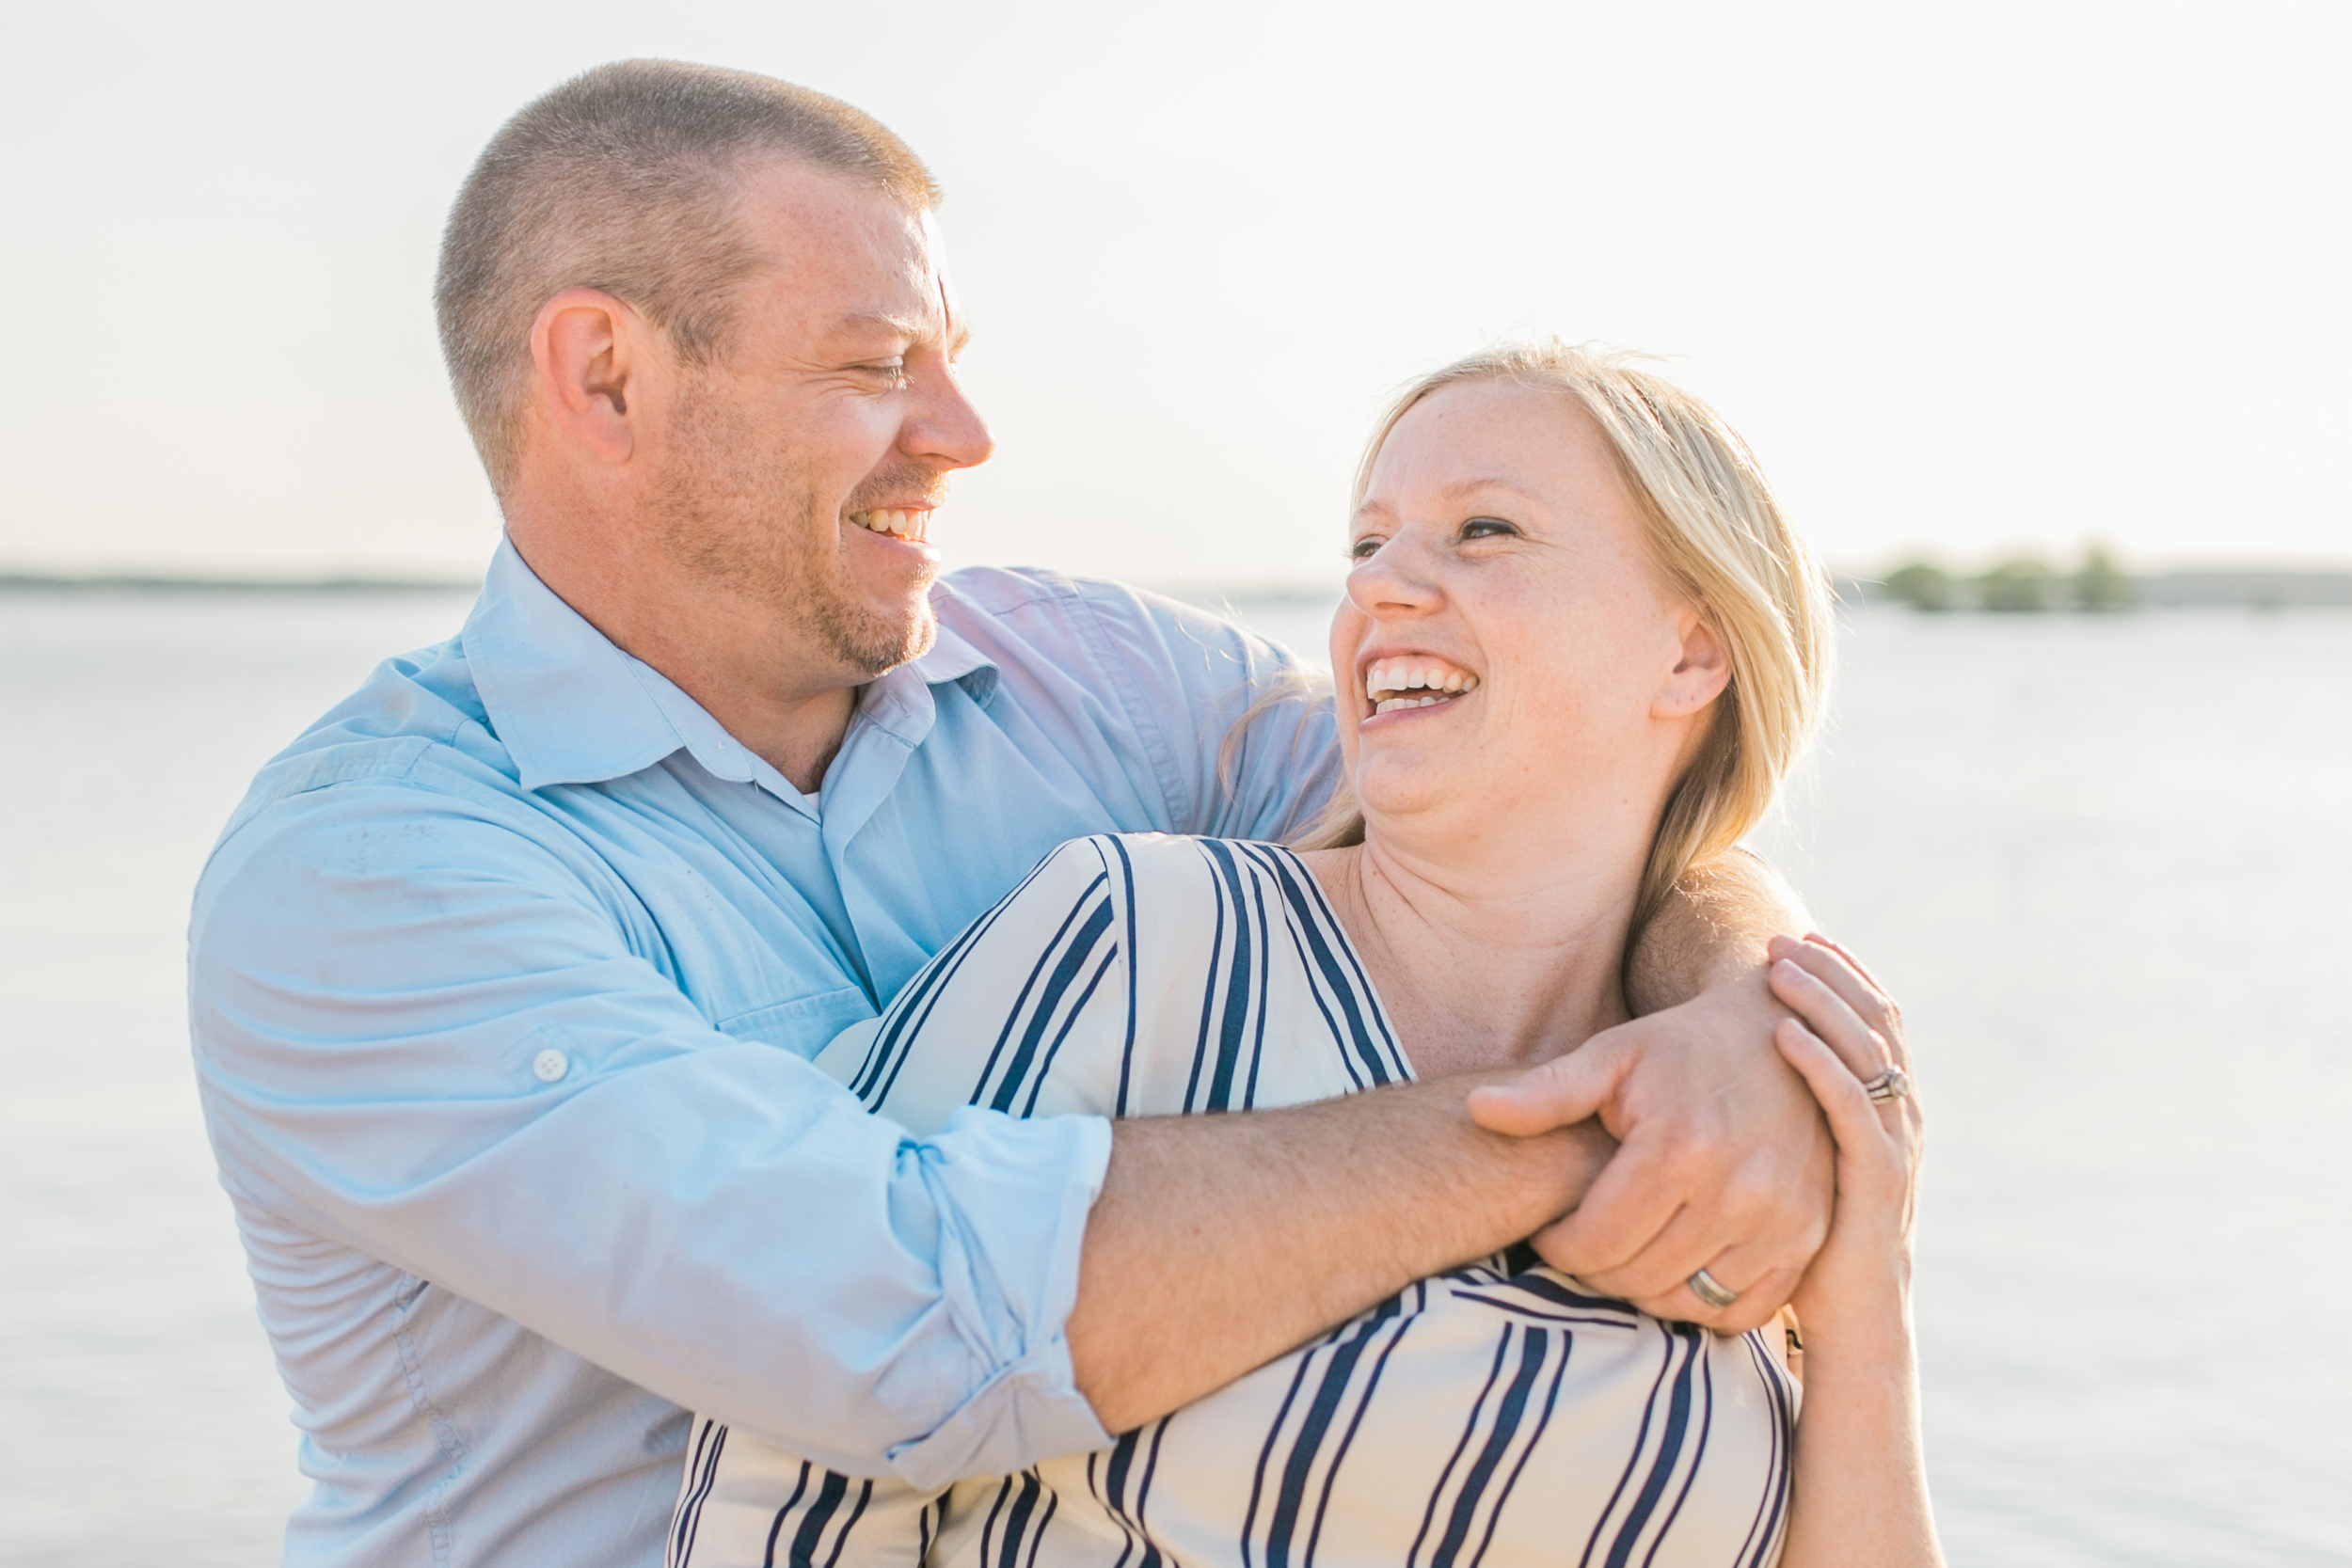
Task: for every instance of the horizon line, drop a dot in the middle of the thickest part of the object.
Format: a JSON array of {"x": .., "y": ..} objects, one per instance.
[{"x": 361, "y": 581}]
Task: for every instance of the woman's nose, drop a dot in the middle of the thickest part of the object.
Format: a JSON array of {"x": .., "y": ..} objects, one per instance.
[{"x": 1394, "y": 581}]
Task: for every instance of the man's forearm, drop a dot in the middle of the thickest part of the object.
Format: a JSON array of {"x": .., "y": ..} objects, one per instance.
[
  {"x": 1219, "y": 1243},
  {"x": 1711, "y": 930}
]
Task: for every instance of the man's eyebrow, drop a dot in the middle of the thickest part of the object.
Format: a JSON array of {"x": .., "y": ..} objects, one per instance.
[{"x": 914, "y": 329}]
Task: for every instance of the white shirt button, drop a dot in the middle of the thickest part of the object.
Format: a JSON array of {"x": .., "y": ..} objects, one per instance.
[{"x": 550, "y": 1064}]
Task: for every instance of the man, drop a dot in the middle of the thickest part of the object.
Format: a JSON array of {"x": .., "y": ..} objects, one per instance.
[{"x": 505, "y": 976}]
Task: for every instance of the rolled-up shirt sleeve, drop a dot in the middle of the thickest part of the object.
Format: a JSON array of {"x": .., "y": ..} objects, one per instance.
[{"x": 426, "y": 1033}]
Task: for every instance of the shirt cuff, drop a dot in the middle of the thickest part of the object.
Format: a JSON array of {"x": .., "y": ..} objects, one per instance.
[{"x": 1012, "y": 1198}]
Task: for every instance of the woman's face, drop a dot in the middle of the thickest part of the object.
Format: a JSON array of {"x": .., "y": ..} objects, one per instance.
[{"x": 1508, "y": 641}]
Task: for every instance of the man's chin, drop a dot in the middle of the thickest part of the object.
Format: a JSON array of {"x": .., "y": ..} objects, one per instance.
[{"x": 883, "y": 638}]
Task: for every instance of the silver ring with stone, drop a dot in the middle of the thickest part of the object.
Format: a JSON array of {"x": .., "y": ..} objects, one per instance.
[
  {"x": 1894, "y": 1084},
  {"x": 1704, "y": 1287}
]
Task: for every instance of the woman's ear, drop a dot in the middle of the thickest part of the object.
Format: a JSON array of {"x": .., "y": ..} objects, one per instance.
[{"x": 1700, "y": 672}]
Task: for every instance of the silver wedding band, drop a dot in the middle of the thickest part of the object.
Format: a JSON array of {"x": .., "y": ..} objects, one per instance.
[
  {"x": 1894, "y": 1084},
  {"x": 1704, "y": 1287}
]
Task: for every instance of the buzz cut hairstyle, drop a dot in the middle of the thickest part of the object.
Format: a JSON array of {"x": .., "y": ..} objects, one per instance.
[{"x": 629, "y": 179}]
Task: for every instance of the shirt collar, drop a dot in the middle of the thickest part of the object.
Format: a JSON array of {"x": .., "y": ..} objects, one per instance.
[{"x": 570, "y": 707}]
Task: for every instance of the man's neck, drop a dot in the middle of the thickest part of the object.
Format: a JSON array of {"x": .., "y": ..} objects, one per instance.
[{"x": 741, "y": 660}]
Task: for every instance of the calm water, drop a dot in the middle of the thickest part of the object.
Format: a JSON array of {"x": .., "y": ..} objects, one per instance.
[{"x": 2104, "y": 863}]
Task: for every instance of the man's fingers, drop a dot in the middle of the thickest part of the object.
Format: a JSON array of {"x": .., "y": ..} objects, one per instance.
[
  {"x": 1559, "y": 1093},
  {"x": 1663, "y": 1268},
  {"x": 1759, "y": 1301},
  {"x": 1629, "y": 1203}
]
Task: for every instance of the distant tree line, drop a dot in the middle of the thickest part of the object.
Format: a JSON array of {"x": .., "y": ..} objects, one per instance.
[{"x": 2021, "y": 585}]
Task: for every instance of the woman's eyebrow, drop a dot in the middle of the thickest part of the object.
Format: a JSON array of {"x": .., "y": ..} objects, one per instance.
[{"x": 1462, "y": 488}]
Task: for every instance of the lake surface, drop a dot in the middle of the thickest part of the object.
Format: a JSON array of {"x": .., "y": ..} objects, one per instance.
[{"x": 2105, "y": 864}]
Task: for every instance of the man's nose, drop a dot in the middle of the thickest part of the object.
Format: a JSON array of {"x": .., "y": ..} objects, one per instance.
[{"x": 947, "y": 429}]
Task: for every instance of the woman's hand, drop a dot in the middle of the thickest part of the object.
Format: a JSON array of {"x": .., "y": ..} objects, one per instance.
[
  {"x": 1863, "y": 1272},
  {"x": 1861, "y": 1482}
]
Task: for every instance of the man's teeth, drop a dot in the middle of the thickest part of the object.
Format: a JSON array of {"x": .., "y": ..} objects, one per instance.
[
  {"x": 1383, "y": 681},
  {"x": 898, "y": 522}
]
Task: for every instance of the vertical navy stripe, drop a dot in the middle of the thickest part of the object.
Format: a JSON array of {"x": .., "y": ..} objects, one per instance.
[
  {"x": 710, "y": 1440},
  {"x": 1072, "y": 963},
  {"x": 1342, "y": 977},
  {"x": 1534, "y": 1345},
  {"x": 1669, "y": 1449},
  {"x": 1236, "y": 1016},
  {"x": 1551, "y": 1401},
  {"x": 799, "y": 1487},
  {"x": 1126, "y": 946},
  {"x": 1698, "y": 1451},
  {"x": 1363, "y": 1405},
  {"x": 1312, "y": 1432},
  {"x": 908, "y": 1012},
  {"x": 1208, "y": 992},
  {"x": 1265, "y": 1450},
  {"x": 1021, "y": 1001},
  {"x": 865, "y": 1496},
  {"x": 1070, "y": 1021},
  {"x": 1469, "y": 1430},
  {"x": 819, "y": 1515},
  {"x": 1641, "y": 1442}
]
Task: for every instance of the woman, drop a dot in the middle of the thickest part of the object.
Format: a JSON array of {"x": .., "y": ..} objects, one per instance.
[{"x": 1580, "y": 648}]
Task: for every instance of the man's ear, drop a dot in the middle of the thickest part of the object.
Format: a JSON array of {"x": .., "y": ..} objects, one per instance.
[
  {"x": 586, "y": 346},
  {"x": 1701, "y": 671}
]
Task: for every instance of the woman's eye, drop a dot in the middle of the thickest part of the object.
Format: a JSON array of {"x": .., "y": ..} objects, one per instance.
[
  {"x": 1363, "y": 550},
  {"x": 1488, "y": 528}
]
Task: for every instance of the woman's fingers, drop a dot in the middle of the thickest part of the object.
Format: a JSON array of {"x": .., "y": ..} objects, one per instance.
[
  {"x": 1852, "y": 962},
  {"x": 1837, "y": 969},
  {"x": 1832, "y": 1018},
  {"x": 1854, "y": 1119}
]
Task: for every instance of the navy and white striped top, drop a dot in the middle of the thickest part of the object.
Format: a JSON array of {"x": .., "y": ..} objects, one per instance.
[{"x": 1501, "y": 1413}]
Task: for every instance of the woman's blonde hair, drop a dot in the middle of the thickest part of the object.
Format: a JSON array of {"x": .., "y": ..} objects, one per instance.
[{"x": 1715, "y": 527}]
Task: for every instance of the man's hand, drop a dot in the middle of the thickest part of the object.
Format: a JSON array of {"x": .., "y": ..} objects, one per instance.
[{"x": 1727, "y": 1165}]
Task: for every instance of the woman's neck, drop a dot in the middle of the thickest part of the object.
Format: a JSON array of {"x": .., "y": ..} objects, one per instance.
[{"x": 1484, "y": 967}]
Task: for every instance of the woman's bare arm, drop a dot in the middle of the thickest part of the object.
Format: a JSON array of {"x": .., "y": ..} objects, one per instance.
[{"x": 1861, "y": 1476}]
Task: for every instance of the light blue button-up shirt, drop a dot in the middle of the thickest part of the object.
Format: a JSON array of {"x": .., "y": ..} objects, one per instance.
[{"x": 504, "y": 981}]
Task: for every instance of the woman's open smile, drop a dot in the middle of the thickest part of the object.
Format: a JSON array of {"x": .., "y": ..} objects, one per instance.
[{"x": 1408, "y": 682}]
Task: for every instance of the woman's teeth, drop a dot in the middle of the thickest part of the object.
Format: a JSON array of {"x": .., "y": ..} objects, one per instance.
[
  {"x": 1385, "y": 685},
  {"x": 897, "y": 522}
]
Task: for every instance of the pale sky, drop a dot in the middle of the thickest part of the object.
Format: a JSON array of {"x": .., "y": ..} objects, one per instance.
[{"x": 1969, "y": 278}]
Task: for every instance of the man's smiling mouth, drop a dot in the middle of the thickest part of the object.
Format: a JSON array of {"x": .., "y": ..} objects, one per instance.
[
  {"x": 908, "y": 523},
  {"x": 1416, "y": 681}
]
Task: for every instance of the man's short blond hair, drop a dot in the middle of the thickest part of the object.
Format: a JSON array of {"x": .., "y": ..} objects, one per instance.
[{"x": 629, "y": 179}]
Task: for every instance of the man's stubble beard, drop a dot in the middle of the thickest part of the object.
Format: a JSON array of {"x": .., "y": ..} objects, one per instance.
[{"x": 743, "y": 519}]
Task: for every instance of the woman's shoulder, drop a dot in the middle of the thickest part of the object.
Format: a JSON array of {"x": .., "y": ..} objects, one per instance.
[
  {"x": 1181, "y": 853},
  {"x": 1154, "y": 874}
]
